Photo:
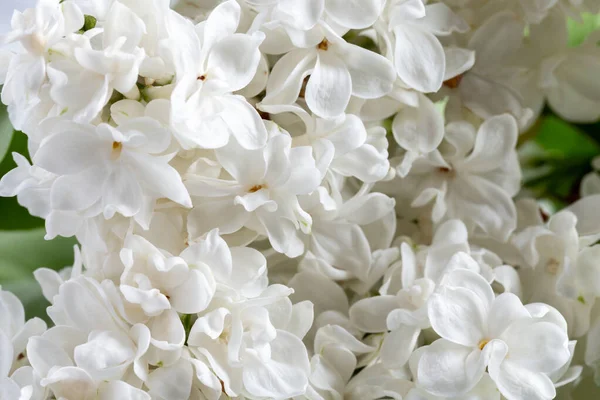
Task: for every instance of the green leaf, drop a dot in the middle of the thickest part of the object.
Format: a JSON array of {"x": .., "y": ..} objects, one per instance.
[
  {"x": 15, "y": 217},
  {"x": 555, "y": 158},
  {"x": 6, "y": 132},
  {"x": 580, "y": 30},
  {"x": 22, "y": 252},
  {"x": 565, "y": 141}
]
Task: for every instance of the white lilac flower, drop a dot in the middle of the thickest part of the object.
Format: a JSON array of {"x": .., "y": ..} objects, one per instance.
[
  {"x": 118, "y": 166},
  {"x": 464, "y": 177},
  {"x": 212, "y": 62},
  {"x": 409, "y": 30},
  {"x": 561, "y": 76},
  {"x": 261, "y": 193},
  {"x": 519, "y": 345},
  {"x": 37, "y": 30},
  {"x": 337, "y": 69}
]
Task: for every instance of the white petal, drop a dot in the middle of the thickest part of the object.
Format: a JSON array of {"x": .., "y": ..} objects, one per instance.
[
  {"x": 285, "y": 375},
  {"x": 304, "y": 13},
  {"x": 370, "y": 314},
  {"x": 301, "y": 319},
  {"x": 354, "y": 14},
  {"x": 441, "y": 20},
  {"x": 210, "y": 324},
  {"x": 398, "y": 345},
  {"x": 497, "y": 38},
  {"x": 43, "y": 355},
  {"x": 419, "y": 59},
  {"x": 458, "y": 61},
  {"x": 122, "y": 194},
  {"x": 220, "y": 213},
  {"x": 342, "y": 245},
  {"x": 505, "y": 309},
  {"x": 244, "y": 122},
  {"x": 70, "y": 383},
  {"x": 121, "y": 390},
  {"x": 9, "y": 389},
  {"x": 6, "y": 354},
  {"x": 447, "y": 369},
  {"x": 196, "y": 292},
  {"x": 106, "y": 355},
  {"x": 588, "y": 270},
  {"x": 173, "y": 382},
  {"x": 329, "y": 87},
  {"x": 462, "y": 275},
  {"x": 537, "y": 346},
  {"x": 321, "y": 291},
  {"x": 495, "y": 140},
  {"x": 123, "y": 110},
  {"x": 366, "y": 163},
  {"x": 123, "y": 23},
  {"x": 419, "y": 129},
  {"x": 250, "y": 276},
  {"x": 457, "y": 315},
  {"x": 222, "y": 21},
  {"x": 161, "y": 178},
  {"x": 363, "y": 210},
  {"x": 372, "y": 75},
  {"x": 213, "y": 251},
  {"x": 570, "y": 105},
  {"x": 304, "y": 177},
  {"x": 517, "y": 382},
  {"x": 496, "y": 217},
  {"x": 72, "y": 150},
  {"x": 234, "y": 60},
  {"x": 288, "y": 75}
]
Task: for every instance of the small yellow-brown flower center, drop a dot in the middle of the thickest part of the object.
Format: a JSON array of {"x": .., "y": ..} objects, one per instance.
[
  {"x": 117, "y": 147},
  {"x": 453, "y": 83},
  {"x": 256, "y": 188},
  {"x": 482, "y": 344},
  {"x": 446, "y": 172},
  {"x": 324, "y": 45}
]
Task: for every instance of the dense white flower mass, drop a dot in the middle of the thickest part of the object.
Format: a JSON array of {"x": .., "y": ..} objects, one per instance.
[{"x": 299, "y": 199}]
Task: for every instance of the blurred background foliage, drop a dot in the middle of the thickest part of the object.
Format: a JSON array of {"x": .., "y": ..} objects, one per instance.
[{"x": 555, "y": 156}]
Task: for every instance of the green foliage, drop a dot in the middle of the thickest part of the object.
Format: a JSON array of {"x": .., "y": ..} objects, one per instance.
[
  {"x": 6, "y": 133},
  {"x": 580, "y": 30},
  {"x": 23, "y": 248},
  {"x": 13, "y": 215},
  {"x": 21, "y": 253},
  {"x": 555, "y": 158},
  {"x": 565, "y": 141}
]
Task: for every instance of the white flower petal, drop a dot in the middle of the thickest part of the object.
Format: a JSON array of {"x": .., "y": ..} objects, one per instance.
[
  {"x": 419, "y": 59},
  {"x": 372, "y": 75},
  {"x": 234, "y": 60},
  {"x": 441, "y": 20},
  {"x": 370, "y": 314},
  {"x": 354, "y": 14},
  {"x": 517, "y": 382},
  {"x": 285, "y": 375},
  {"x": 196, "y": 292},
  {"x": 287, "y": 76},
  {"x": 448, "y": 369},
  {"x": 121, "y": 390},
  {"x": 172, "y": 382},
  {"x": 496, "y": 138},
  {"x": 330, "y": 86},
  {"x": 457, "y": 315},
  {"x": 419, "y": 129}
]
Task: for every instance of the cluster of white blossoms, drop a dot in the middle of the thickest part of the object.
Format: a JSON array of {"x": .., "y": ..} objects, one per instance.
[{"x": 299, "y": 199}]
